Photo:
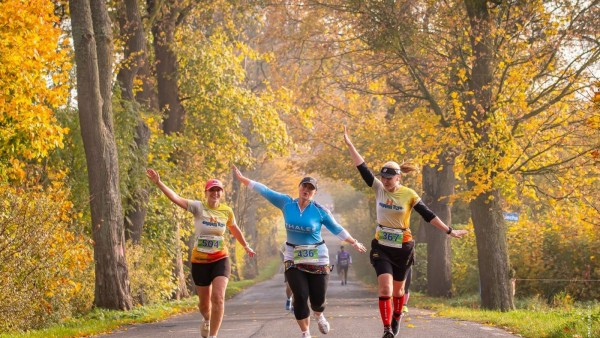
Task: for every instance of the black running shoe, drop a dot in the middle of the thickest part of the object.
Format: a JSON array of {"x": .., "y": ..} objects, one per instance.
[
  {"x": 396, "y": 325},
  {"x": 388, "y": 334}
]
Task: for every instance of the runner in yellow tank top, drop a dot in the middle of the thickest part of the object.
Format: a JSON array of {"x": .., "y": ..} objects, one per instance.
[
  {"x": 210, "y": 260},
  {"x": 392, "y": 249}
]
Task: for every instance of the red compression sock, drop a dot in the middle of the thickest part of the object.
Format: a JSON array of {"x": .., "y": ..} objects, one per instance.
[
  {"x": 385, "y": 309},
  {"x": 398, "y": 302}
]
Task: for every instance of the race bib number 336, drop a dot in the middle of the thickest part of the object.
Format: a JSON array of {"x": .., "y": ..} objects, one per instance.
[{"x": 306, "y": 254}]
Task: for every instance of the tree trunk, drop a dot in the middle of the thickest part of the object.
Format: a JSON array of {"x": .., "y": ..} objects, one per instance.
[
  {"x": 181, "y": 291},
  {"x": 136, "y": 65},
  {"x": 490, "y": 230},
  {"x": 486, "y": 213},
  {"x": 92, "y": 39},
  {"x": 163, "y": 30},
  {"x": 438, "y": 184}
]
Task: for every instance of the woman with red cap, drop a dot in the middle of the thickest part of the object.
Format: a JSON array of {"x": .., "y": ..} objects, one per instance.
[
  {"x": 392, "y": 249},
  {"x": 210, "y": 258}
]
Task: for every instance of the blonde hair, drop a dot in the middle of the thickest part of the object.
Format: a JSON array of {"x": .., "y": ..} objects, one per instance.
[
  {"x": 406, "y": 166},
  {"x": 409, "y": 166}
]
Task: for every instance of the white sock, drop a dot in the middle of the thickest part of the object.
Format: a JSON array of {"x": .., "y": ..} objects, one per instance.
[{"x": 306, "y": 334}]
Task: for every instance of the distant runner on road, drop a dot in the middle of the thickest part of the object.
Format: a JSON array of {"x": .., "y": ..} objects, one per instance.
[
  {"x": 344, "y": 260},
  {"x": 306, "y": 257},
  {"x": 392, "y": 249}
]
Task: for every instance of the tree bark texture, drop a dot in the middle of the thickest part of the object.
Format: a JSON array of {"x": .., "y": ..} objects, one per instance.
[
  {"x": 492, "y": 253},
  {"x": 486, "y": 212},
  {"x": 136, "y": 56},
  {"x": 163, "y": 32},
  {"x": 136, "y": 65},
  {"x": 438, "y": 185},
  {"x": 93, "y": 56}
]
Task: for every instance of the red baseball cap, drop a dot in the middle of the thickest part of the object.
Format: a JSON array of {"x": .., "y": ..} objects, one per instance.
[{"x": 213, "y": 183}]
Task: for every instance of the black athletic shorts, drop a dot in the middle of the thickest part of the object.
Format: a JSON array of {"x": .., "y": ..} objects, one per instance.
[
  {"x": 204, "y": 273},
  {"x": 395, "y": 261}
]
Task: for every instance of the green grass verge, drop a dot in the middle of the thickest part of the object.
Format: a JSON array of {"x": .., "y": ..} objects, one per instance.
[
  {"x": 100, "y": 321},
  {"x": 532, "y": 318}
]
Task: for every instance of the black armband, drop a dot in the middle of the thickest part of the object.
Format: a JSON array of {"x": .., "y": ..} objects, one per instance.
[
  {"x": 424, "y": 211},
  {"x": 449, "y": 230},
  {"x": 366, "y": 174}
]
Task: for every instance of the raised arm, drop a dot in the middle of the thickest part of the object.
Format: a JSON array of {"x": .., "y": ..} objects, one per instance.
[
  {"x": 155, "y": 178},
  {"x": 244, "y": 180},
  {"x": 356, "y": 158},
  {"x": 274, "y": 197},
  {"x": 359, "y": 162}
]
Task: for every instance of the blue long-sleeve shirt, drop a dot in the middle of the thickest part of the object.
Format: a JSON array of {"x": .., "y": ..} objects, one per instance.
[{"x": 302, "y": 227}]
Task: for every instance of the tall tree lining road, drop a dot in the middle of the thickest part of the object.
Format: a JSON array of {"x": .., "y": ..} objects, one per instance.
[{"x": 351, "y": 310}]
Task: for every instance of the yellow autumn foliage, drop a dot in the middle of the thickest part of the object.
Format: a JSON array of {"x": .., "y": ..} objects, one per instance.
[
  {"x": 34, "y": 70},
  {"x": 45, "y": 272}
]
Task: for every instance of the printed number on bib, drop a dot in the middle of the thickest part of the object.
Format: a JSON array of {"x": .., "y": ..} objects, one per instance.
[
  {"x": 306, "y": 254},
  {"x": 209, "y": 244},
  {"x": 391, "y": 237}
]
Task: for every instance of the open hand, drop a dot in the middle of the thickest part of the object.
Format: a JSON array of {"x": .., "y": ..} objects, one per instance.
[
  {"x": 346, "y": 137},
  {"x": 359, "y": 247},
  {"x": 238, "y": 174},
  {"x": 153, "y": 176},
  {"x": 250, "y": 252},
  {"x": 458, "y": 233}
]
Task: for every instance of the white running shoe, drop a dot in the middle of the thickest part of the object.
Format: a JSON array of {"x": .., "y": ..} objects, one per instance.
[
  {"x": 306, "y": 334},
  {"x": 323, "y": 324},
  {"x": 205, "y": 328}
]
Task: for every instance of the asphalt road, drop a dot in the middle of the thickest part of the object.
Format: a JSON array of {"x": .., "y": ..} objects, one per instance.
[{"x": 352, "y": 311}]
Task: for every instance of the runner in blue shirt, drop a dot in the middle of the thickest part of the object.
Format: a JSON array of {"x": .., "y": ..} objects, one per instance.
[{"x": 306, "y": 257}]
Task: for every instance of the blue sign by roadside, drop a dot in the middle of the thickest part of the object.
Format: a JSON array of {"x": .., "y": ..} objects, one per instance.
[{"x": 511, "y": 216}]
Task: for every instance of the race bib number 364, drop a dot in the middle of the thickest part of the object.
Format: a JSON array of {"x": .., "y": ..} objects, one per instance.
[{"x": 306, "y": 254}]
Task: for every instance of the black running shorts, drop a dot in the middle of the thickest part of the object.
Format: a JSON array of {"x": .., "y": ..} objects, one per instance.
[
  {"x": 204, "y": 273},
  {"x": 395, "y": 261}
]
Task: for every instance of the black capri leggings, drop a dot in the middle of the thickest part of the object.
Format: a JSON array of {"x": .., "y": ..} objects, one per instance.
[{"x": 306, "y": 285}]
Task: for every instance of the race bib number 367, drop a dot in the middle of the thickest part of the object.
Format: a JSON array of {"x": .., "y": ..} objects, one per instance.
[
  {"x": 306, "y": 254},
  {"x": 391, "y": 237}
]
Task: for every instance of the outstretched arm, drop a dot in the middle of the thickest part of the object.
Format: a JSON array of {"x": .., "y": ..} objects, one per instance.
[
  {"x": 356, "y": 158},
  {"x": 155, "y": 178},
  {"x": 237, "y": 233},
  {"x": 356, "y": 245},
  {"x": 438, "y": 223}
]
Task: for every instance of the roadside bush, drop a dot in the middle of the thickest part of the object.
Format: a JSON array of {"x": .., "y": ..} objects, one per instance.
[
  {"x": 45, "y": 265},
  {"x": 558, "y": 263}
]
